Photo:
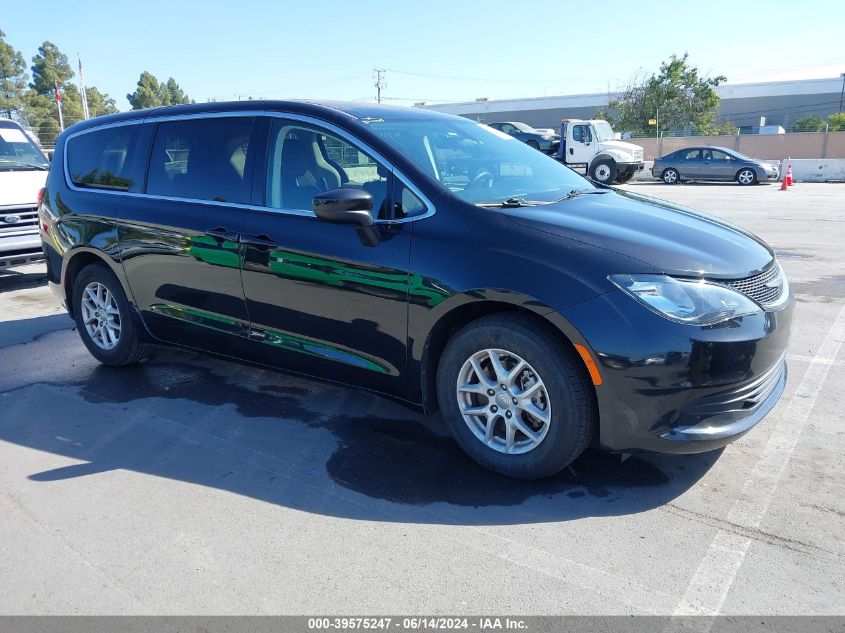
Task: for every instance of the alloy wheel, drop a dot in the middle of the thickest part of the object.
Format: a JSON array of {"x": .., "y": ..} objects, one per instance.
[
  {"x": 503, "y": 401},
  {"x": 100, "y": 315},
  {"x": 670, "y": 177},
  {"x": 746, "y": 177}
]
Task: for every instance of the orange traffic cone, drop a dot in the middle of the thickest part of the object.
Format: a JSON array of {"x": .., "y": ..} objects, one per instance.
[
  {"x": 783, "y": 185},
  {"x": 788, "y": 178}
]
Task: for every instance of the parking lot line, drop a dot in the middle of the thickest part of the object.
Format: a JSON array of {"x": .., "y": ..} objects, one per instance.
[{"x": 712, "y": 581}]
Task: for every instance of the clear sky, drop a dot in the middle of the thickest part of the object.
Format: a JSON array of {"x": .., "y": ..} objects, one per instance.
[{"x": 434, "y": 50}]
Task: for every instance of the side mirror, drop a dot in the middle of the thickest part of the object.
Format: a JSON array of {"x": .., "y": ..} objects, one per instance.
[{"x": 347, "y": 205}]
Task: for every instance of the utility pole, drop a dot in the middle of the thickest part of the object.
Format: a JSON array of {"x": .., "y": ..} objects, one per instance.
[{"x": 380, "y": 81}]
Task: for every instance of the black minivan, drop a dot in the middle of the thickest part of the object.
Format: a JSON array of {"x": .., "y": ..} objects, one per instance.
[{"x": 425, "y": 257}]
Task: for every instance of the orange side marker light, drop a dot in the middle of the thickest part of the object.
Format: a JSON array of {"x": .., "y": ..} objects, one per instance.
[{"x": 590, "y": 363}]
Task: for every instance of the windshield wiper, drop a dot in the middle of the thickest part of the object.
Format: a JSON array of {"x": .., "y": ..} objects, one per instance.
[
  {"x": 511, "y": 203},
  {"x": 578, "y": 192}
]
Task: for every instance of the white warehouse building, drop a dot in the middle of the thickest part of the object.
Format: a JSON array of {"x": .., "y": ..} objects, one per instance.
[{"x": 780, "y": 102}]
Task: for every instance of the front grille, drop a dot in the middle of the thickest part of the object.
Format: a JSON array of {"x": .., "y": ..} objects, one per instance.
[
  {"x": 745, "y": 398},
  {"x": 765, "y": 288},
  {"x": 638, "y": 154},
  {"x": 25, "y": 220}
]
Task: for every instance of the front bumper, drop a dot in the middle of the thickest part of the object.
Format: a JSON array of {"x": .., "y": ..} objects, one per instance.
[
  {"x": 623, "y": 169},
  {"x": 674, "y": 388}
]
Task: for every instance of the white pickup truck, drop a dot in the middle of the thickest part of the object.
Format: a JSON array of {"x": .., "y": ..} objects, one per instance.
[
  {"x": 593, "y": 145},
  {"x": 23, "y": 172}
]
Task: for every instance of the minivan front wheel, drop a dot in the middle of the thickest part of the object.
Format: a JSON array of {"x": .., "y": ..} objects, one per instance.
[
  {"x": 103, "y": 317},
  {"x": 515, "y": 397}
]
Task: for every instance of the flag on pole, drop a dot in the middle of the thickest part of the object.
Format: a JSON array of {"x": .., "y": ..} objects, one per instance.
[
  {"x": 59, "y": 106},
  {"x": 82, "y": 90}
]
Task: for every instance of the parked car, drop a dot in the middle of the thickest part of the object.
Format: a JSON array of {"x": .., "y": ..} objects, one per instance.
[
  {"x": 712, "y": 163},
  {"x": 23, "y": 171},
  {"x": 421, "y": 256},
  {"x": 544, "y": 141}
]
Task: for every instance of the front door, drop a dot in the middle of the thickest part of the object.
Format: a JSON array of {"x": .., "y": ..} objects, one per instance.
[
  {"x": 320, "y": 301},
  {"x": 580, "y": 148},
  {"x": 690, "y": 164},
  {"x": 179, "y": 241},
  {"x": 722, "y": 166}
]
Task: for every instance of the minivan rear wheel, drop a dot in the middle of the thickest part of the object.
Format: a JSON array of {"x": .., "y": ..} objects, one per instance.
[
  {"x": 103, "y": 317},
  {"x": 515, "y": 397}
]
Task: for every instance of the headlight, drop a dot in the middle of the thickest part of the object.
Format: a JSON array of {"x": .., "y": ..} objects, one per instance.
[
  {"x": 548, "y": 138},
  {"x": 686, "y": 301}
]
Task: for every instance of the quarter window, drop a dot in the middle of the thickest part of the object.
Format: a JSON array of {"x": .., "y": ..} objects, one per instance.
[
  {"x": 201, "y": 159},
  {"x": 305, "y": 161},
  {"x": 106, "y": 159}
]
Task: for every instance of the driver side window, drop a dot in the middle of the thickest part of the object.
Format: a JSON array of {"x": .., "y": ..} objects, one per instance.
[
  {"x": 304, "y": 161},
  {"x": 582, "y": 134}
]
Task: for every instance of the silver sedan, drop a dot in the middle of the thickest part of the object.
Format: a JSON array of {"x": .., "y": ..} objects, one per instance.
[{"x": 712, "y": 163}]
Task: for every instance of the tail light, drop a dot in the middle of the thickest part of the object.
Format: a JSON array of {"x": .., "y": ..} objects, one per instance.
[{"x": 40, "y": 195}]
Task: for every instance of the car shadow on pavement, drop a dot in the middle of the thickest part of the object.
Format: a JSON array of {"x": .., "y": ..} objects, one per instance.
[
  {"x": 297, "y": 443},
  {"x": 30, "y": 276}
]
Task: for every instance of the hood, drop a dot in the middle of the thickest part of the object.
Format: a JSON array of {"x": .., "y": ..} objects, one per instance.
[
  {"x": 629, "y": 148},
  {"x": 21, "y": 187},
  {"x": 675, "y": 239}
]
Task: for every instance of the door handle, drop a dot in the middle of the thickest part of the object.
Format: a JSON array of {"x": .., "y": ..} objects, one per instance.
[
  {"x": 222, "y": 234},
  {"x": 259, "y": 241}
]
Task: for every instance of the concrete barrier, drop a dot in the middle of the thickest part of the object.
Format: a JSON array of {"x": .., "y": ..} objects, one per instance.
[{"x": 815, "y": 169}]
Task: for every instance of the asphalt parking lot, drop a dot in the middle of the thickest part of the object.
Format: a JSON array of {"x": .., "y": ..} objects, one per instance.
[{"x": 194, "y": 486}]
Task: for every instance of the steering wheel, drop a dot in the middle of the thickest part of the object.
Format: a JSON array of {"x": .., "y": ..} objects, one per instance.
[{"x": 481, "y": 176}]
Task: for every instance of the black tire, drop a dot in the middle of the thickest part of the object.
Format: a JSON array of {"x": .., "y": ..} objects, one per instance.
[
  {"x": 670, "y": 176},
  {"x": 533, "y": 143},
  {"x": 739, "y": 177},
  {"x": 569, "y": 392},
  {"x": 129, "y": 348},
  {"x": 604, "y": 176},
  {"x": 623, "y": 179}
]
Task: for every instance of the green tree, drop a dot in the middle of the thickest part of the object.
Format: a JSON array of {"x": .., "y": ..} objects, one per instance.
[
  {"x": 39, "y": 109},
  {"x": 809, "y": 124},
  {"x": 837, "y": 122},
  {"x": 13, "y": 78},
  {"x": 151, "y": 93},
  {"x": 50, "y": 67},
  {"x": 683, "y": 98},
  {"x": 99, "y": 103}
]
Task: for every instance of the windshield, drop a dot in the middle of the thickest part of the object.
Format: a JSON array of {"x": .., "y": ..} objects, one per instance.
[
  {"x": 603, "y": 131},
  {"x": 17, "y": 152},
  {"x": 477, "y": 163},
  {"x": 523, "y": 127}
]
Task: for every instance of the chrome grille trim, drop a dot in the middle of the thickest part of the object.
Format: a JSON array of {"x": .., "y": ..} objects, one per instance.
[
  {"x": 755, "y": 287},
  {"x": 27, "y": 219}
]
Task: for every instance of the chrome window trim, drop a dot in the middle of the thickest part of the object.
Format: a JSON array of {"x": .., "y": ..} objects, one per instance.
[{"x": 430, "y": 208}]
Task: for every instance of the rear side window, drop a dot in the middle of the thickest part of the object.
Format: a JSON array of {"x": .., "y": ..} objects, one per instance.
[
  {"x": 106, "y": 159},
  {"x": 201, "y": 159}
]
